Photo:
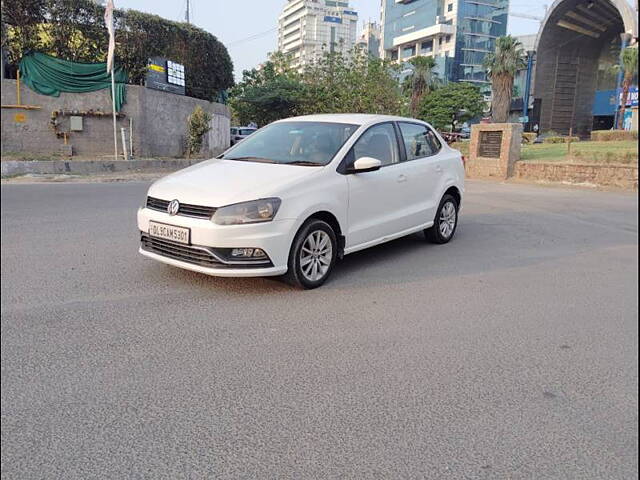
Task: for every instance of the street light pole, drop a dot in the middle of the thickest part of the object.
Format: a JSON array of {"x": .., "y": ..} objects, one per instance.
[{"x": 527, "y": 86}]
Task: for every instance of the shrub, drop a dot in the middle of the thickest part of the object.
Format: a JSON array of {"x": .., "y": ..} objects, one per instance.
[
  {"x": 74, "y": 30},
  {"x": 613, "y": 135},
  {"x": 198, "y": 123},
  {"x": 529, "y": 137},
  {"x": 559, "y": 139}
]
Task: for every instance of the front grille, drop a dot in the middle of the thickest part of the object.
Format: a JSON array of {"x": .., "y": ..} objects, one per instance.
[
  {"x": 186, "y": 209},
  {"x": 186, "y": 253},
  {"x": 178, "y": 251}
]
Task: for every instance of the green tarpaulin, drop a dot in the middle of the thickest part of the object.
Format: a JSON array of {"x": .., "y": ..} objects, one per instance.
[{"x": 50, "y": 76}]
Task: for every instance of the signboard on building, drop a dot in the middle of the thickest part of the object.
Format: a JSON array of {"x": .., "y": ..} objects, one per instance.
[
  {"x": 332, "y": 19},
  {"x": 165, "y": 75},
  {"x": 604, "y": 101}
]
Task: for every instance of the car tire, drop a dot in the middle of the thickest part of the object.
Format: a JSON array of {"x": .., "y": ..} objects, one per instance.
[
  {"x": 313, "y": 254},
  {"x": 445, "y": 222}
]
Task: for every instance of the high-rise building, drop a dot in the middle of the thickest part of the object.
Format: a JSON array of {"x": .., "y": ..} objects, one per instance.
[
  {"x": 308, "y": 28},
  {"x": 457, "y": 33},
  {"x": 370, "y": 38}
]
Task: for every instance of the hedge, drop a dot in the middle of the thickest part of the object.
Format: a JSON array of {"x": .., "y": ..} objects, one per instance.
[
  {"x": 613, "y": 135},
  {"x": 558, "y": 139},
  {"x": 74, "y": 30}
]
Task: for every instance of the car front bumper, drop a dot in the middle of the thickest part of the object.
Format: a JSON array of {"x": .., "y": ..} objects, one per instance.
[{"x": 273, "y": 237}]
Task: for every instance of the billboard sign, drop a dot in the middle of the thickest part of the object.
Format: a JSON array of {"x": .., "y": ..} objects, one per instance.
[
  {"x": 165, "y": 75},
  {"x": 604, "y": 101}
]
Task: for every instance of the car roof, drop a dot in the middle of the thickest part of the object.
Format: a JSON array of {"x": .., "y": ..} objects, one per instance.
[{"x": 352, "y": 118}]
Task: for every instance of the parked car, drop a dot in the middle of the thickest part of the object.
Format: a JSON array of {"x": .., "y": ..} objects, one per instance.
[
  {"x": 240, "y": 133},
  {"x": 301, "y": 193}
]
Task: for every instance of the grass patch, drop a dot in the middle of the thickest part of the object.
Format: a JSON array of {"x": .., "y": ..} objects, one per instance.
[
  {"x": 597, "y": 153},
  {"x": 620, "y": 152},
  {"x": 462, "y": 145}
]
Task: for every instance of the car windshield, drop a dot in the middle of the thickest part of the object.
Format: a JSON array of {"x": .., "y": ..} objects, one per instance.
[
  {"x": 300, "y": 143},
  {"x": 247, "y": 131}
]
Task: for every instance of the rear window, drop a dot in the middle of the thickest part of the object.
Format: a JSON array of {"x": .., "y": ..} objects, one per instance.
[{"x": 247, "y": 131}]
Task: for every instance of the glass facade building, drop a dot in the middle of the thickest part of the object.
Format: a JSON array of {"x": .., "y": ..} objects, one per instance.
[{"x": 457, "y": 33}]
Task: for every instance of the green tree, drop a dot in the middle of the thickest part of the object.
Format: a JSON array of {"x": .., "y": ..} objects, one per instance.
[
  {"x": 422, "y": 81},
  {"x": 355, "y": 83},
  {"x": 269, "y": 93},
  {"x": 502, "y": 66},
  {"x": 629, "y": 57},
  {"x": 450, "y": 103}
]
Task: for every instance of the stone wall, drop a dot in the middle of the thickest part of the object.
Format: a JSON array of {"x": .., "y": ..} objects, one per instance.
[
  {"x": 597, "y": 175},
  {"x": 159, "y": 122}
]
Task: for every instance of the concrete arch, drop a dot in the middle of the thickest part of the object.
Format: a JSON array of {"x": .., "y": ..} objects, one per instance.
[
  {"x": 572, "y": 45},
  {"x": 629, "y": 17}
]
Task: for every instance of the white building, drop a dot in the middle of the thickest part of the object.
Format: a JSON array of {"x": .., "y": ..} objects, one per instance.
[
  {"x": 369, "y": 38},
  {"x": 307, "y": 28}
]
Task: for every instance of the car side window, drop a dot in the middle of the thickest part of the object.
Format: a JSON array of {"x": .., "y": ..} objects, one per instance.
[
  {"x": 378, "y": 142},
  {"x": 436, "y": 146},
  {"x": 419, "y": 140},
  {"x": 233, "y": 131}
]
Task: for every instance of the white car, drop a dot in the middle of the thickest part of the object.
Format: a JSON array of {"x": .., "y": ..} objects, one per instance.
[
  {"x": 300, "y": 193},
  {"x": 240, "y": 133}
]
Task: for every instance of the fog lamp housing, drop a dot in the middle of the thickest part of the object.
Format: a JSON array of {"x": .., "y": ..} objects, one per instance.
[{"x": 248, "y": 253}]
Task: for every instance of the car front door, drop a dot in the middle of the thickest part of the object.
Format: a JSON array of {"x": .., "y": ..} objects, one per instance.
[{"x": 377, "y": 200}]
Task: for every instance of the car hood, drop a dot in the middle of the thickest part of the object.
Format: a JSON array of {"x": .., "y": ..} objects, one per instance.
[{"x": 216, "y": 182}]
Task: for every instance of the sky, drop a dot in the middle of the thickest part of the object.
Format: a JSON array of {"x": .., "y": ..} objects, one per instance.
[{"x": 248, "y": 27}]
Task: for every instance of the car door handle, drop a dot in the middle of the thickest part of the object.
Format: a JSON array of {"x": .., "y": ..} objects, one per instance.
[{"x": 402, "y": 178}]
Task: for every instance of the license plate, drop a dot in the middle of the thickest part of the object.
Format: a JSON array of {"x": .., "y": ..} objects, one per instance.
[{"x": 169, "y": 232}]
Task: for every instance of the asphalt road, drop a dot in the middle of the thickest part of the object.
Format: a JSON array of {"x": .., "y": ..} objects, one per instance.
[{"x": 510, "y": 353}]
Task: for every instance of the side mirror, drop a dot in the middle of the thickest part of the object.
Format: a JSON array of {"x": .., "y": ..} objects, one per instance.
[{"x": 366, "y": 164}]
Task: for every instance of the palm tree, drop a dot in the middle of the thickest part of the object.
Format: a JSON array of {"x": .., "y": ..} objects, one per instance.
[
  {"x": 422, "y": 81},
  {"x": 502, "y": 66},
  {"x": 630, "y": 67}
]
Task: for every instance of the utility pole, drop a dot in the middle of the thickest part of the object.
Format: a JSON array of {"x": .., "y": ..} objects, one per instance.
[{"x": 186, "y": 15}]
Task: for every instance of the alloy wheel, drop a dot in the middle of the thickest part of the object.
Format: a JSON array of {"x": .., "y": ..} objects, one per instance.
[
  {"x": 316, "y": 255},
  {"x": 447, "y": 221}
]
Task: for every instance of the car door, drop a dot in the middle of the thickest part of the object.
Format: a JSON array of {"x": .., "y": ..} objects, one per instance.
[
  {"x": 377, "y": 199},
  {"x": 424, "y": 170}
]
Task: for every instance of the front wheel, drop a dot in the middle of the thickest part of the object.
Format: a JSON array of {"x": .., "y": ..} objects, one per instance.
[
  {"x": 313, "y": 254},
  {"x": 446, "y": 221}
]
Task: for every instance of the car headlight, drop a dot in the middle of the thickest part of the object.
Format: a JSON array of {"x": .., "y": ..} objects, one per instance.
[{"x": 255, "y": 211}]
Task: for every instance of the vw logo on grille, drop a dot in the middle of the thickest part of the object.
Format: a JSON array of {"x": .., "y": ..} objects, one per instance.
[{"x": 173, "y": 207}]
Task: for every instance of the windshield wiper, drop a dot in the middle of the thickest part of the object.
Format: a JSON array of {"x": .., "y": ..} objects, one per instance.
[
  {"x": 305, "y": 163},
  {"x": 250, "y": 159}
]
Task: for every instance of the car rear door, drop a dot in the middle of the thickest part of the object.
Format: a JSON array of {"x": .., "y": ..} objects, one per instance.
[{"x": 424, "y": 170}]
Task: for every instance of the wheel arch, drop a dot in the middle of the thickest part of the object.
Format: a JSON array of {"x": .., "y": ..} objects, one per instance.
[
  {"x": 332, "y": 220},
  {"x": 455, "y": 193}
]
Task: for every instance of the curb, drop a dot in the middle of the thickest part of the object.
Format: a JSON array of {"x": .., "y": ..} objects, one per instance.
[{"x": 12, "y": 168}]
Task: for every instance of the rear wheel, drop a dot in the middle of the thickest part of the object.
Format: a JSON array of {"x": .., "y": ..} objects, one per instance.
[
  {"x": 446, "y": 221},
  {"x": 313, "y": 254}
]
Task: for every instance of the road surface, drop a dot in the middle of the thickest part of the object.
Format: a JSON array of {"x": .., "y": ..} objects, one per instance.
[{"x": 511, "y": 352}]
